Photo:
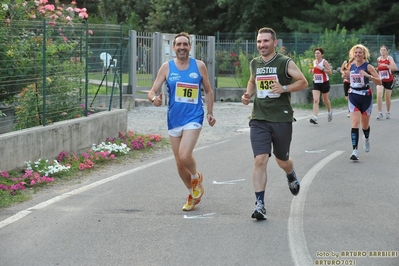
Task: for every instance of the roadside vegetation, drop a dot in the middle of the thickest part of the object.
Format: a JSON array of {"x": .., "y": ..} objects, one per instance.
[{"x": 19, "y": 185}]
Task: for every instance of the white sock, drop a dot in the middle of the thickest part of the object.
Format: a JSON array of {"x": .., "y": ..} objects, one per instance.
[{"x": 194, "y": 176}]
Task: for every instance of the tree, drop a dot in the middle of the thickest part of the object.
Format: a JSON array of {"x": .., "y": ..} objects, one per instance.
[
  {"x": 174, "y": 16},
  {"x": 363, "y": 17},
  {"x": 249, "y": 16}
]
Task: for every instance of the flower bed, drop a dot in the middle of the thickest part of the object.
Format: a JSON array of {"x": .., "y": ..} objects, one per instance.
[{"x": 42, "y": 172}]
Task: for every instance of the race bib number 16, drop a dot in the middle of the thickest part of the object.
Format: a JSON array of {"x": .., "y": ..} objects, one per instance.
[{"x": 186, "y": 93}]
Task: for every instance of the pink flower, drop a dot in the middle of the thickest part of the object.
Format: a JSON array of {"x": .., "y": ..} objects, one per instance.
[
  {"x": 49, "y": 7},
  {"x": 5, "y": 174},
  {"x": 28, "y": 173},
  {"x": 83, "y": 15}
]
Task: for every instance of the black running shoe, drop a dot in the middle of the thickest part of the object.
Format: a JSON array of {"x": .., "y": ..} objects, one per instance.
[
  {"x": 294, "y": 186},
  {"x": 354, "y": 155},
  {"x": 259, "y": 211},
  {"x": 313, "y": 120}
]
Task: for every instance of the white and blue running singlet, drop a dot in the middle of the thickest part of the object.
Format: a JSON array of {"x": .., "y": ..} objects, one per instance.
[{"x": 184, "y": 90}]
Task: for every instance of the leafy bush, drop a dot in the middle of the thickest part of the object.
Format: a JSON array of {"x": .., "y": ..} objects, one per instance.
[
  {"x": 336, "y": 45},
  {"x": 42, "y": 51}
]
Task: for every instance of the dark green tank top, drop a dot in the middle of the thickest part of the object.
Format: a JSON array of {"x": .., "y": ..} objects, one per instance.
[{"x": 267, "y": 106}]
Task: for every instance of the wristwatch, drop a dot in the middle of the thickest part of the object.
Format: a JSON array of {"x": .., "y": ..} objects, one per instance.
[{"x": 285, "y": 88}]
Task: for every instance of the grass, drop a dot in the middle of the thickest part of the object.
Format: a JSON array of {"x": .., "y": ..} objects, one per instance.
[
  {"x": 145, "y": 80},
  {"x": 228, "y": 82}
]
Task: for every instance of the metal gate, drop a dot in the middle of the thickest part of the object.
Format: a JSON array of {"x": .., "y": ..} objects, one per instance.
[{"x": 150, "y": 50}]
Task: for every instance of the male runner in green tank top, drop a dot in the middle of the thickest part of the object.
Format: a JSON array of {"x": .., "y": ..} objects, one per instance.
[{"x": 273, "y": 77}]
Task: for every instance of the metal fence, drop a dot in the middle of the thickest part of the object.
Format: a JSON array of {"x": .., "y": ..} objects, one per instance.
[
  {"x": 49, "y": 69},
  {"x": 229, "y": 45},
  {"x": 151, "y": 51},
  {"x": 52, "y": 73},
  {"x": 57, "y": 72}
]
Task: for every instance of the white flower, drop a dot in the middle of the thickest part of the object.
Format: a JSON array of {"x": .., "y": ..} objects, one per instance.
[
  {"x": 55, "y": 168},
  {"x": 111, "y": 148},
  {"x": 4, "y": 6},
  {"x": 46, "y": 169},
  {"x": 28, "y": 165}
]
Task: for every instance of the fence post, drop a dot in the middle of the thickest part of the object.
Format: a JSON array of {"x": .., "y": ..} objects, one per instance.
[
  {"x": 120, "y": 66},
  {"x": 216, "y": 64},
  {"x": 87, "y": 69},
  {"x": 211, "y": 63},
  {"x": 132, "y": 87},
  {"x": 157, "y": 56},
  {"x": 44, "y": 72}
]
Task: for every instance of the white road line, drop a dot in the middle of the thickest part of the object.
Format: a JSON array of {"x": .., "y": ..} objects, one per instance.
[
  {"x": 316, "y": 151},
  {"x": 46, "y": 203},
  {"x": 14, "y": 218},
  {"x": 296, "y": 237},
  {"x": 229, "y": 182},
  {"x": 206, "y": 215}
]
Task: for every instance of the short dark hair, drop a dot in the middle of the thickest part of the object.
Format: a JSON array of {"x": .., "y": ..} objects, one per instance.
[
  {"x": 268, "y": 30},
  {"x": 185, "y": 34},
  {"x": 319, "y": 49}
]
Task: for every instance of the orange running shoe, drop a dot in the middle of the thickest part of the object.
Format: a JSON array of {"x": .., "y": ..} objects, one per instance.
[
  {"x": 190, "y": 205},
  {"x": 198, "y": 189}
]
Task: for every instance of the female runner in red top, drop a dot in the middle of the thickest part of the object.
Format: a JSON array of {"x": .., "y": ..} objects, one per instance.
[{"x": 386, "y": 65}]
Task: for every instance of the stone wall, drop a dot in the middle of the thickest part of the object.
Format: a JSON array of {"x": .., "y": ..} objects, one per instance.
[{"x": 46, "y": 142}]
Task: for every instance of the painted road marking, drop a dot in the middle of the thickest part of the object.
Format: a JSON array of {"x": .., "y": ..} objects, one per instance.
[
  {"x": 199, "y": 216},
  {"x": 296, "y": 237},
  {"x": 316, "y": 151},
  {"x": 230, "y": 182}
]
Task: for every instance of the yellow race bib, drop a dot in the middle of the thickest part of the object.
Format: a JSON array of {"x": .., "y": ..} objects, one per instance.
[{"x": 186, "y": 92}]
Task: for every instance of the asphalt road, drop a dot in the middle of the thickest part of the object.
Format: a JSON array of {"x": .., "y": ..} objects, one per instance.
[{"x": 345, "y": 214}]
